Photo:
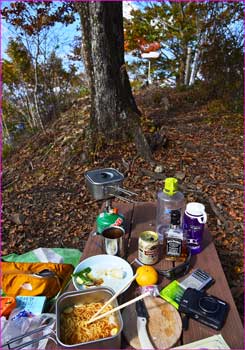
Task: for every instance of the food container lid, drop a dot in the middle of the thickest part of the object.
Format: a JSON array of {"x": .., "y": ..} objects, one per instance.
[{"x": 103, "y": 176}]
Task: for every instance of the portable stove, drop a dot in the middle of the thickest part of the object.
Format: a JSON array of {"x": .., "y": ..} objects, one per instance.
[{"x": 105, "y": 184}]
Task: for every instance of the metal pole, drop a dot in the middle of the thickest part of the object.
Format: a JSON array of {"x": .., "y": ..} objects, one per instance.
[{"x": 149, "y": 72}]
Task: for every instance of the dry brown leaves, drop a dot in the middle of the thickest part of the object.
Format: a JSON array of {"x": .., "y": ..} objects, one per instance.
[{"x": 46, "y": 202}]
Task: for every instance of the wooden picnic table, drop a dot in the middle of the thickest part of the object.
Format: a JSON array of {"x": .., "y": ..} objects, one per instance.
[{"x": 141, "y": 217}]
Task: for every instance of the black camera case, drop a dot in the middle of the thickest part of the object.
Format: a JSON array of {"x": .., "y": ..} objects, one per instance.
[{"x": 204, "y": 308}]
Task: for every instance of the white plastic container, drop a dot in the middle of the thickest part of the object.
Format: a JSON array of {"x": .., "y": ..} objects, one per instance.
[{"x": 168, "y": 199}]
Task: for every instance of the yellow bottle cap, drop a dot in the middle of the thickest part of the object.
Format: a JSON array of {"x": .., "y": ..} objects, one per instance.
[{"x": 171, "y": 186}]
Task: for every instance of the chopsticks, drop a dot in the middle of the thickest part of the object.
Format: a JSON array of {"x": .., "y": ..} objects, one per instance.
[
  {"x": 112, "y": 298},
  {"x": 120, "y": 307}
]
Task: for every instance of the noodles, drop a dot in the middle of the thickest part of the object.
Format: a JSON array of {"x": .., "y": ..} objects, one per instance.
[{"x": 74, "y": 328}]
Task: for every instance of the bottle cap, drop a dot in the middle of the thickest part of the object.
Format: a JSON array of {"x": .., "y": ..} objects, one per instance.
[
  {"x": 171, "y": 186},
  {"x": 195, "y": 208}
]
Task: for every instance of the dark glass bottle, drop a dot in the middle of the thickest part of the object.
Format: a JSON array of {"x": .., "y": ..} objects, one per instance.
[{"x": 175, "y": 245}]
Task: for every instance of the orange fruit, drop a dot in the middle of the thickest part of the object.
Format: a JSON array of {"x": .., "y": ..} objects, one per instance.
[{"x": 146, "y": 275}]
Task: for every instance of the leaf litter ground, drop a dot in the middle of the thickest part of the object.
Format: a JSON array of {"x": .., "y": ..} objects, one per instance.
[{"x": 46, "y": 202}]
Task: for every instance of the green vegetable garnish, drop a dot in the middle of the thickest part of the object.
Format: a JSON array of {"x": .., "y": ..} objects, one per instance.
[{"x": 83, "y": 278}]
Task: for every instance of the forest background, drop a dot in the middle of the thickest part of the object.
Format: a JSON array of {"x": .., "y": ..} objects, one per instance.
[{"x": 191, "y": 114}]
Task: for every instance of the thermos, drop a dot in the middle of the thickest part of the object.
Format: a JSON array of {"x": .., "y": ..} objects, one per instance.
[{"x": 194, "y": 221}]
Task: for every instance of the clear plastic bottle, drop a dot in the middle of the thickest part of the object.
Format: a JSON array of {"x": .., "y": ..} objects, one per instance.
[{"x": 167, "y": 200}]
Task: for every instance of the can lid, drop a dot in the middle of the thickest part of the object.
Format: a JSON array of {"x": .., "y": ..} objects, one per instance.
[{"x": 170, "y": 186}]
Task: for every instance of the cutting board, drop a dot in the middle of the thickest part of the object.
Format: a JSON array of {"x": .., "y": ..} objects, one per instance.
[{"x": 164, "y": 324}]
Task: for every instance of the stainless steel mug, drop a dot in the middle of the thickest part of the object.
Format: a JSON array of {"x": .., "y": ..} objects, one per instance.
[{"x": 113, "y": 240}]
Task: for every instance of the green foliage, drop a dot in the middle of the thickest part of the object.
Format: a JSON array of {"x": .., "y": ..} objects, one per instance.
[
  {"x": 84, "y": 91},
  {"x": 54, "y": 86},
  {"x": 216, "y": 107},
  {"x": 222, "y": 69},
  {"x": 36, "y": 85},
  {"x": 157, "y": 97},
  {"x": 136, "y": 84},
  {"x": 174, "y": 25},
  {"x": 19, "y": 56},
  {"x": 34, "y": 17},
  {"x": 179, "y": 26},
  {"x": 236, "y": 105},
  {"x": 7, "y": 149}
]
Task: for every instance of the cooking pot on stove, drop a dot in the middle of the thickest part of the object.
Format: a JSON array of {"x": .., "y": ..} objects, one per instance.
[{"x": 104, "y": 183}]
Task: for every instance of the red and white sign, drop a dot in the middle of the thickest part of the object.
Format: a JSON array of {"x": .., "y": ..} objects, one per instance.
[
  {"x": 149, "y": 47},
  {"x": 153, "y": 54}
]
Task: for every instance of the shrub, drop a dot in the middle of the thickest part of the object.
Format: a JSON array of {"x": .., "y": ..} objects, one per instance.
[
  {"x": 6, "y": 150},
  {"x": 216, "y": 106}
]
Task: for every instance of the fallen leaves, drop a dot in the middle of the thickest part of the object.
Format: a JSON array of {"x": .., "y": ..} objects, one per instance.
[{"x": 51, "y": 194}]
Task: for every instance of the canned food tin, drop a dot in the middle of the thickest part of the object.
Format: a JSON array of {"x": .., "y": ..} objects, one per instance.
[{"x": 148, "y": 252}]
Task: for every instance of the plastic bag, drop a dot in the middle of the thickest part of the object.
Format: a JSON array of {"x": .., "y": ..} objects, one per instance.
[{"x": 20, "y": 323}]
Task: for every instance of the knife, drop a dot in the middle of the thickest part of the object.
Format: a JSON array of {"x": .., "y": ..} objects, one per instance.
[{"x": 142, "y": 317}]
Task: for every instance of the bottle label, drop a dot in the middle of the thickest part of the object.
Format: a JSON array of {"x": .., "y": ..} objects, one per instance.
[
  {"x": 173, "y": 247},
  {"x": 118, "y": 222}
]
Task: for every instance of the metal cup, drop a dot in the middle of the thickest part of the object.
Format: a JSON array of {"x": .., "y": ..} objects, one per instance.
[{"x": 113, "y": 241}]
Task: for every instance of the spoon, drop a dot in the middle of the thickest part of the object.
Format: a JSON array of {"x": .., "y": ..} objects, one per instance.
[{"x": 45, "y": 274}]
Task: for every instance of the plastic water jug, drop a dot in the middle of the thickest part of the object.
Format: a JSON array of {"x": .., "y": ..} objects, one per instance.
[{"x": 168, "y": 199}]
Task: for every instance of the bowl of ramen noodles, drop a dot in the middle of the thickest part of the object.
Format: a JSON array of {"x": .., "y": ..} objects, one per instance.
[{"x": 75, "y": 309}]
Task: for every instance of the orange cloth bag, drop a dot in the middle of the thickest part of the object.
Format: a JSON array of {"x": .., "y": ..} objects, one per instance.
[
  {"x": 7, "y": 305},
  {"x": 18, "y": 278}
]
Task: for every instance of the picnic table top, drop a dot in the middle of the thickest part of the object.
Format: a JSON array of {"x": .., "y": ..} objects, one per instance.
[{"x": 141, "y": 217}]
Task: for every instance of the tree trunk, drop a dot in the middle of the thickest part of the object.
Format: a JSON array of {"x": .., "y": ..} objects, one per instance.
[
  {"x": 29, "y": 104},
  {"x": 5, "y": 128},
  {"x": 114, "y": 113},
  {"x": 40, "y": 123},
  {"x": 196, "y": 60},
  {"x": 195, "y": 66},
  {"x": 187, "y": 66}
]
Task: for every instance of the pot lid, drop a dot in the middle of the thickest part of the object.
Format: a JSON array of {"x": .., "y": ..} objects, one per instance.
[{"x": 103, "y": 176}]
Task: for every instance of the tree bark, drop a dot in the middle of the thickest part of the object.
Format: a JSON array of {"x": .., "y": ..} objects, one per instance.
[{"x": 114, "y": 113}]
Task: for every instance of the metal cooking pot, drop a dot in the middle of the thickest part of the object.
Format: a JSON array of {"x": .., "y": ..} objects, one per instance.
[
  {"x": 91, "y": 295},
  {"x": 97, "y": 294},
  {"x": 103, "y": 183}
]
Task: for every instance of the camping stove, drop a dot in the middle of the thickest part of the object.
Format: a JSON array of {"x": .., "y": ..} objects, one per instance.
[{"x": 105, "y": 184}]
